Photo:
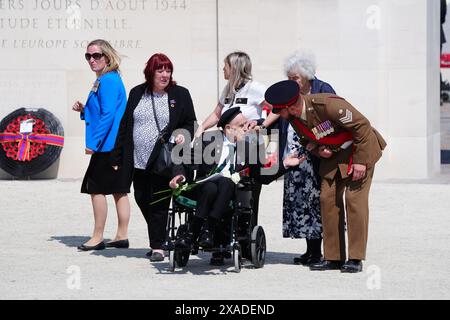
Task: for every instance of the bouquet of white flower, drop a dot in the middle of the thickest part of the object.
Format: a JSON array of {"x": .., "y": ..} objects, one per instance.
[{"x": 235, "y": 177}]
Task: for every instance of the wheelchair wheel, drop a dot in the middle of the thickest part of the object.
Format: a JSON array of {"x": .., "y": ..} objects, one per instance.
[
  {"x": 237, "y": 260},
  {"x": 258, "y": 247},
  {"x": 181, "y": 256},
  {"x": 171, "y": 260}
]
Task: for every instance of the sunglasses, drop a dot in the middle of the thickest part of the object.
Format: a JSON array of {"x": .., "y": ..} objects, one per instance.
[{"x": 96, "y": 56}]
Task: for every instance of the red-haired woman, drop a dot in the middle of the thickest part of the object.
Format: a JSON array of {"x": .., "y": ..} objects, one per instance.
[{"x": 158, "y": 104}]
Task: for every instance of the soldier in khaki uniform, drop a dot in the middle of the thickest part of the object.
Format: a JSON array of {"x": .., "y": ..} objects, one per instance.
[{"x": 349, "y": 147}]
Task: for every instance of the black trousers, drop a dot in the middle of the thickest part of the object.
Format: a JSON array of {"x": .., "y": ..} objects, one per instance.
[
  {"x": 145, "y": 186},
  {"x": 213, "y": 198}
]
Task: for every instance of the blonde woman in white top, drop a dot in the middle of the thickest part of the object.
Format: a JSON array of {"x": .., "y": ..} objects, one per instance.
[{"x": 240, "y": 91}]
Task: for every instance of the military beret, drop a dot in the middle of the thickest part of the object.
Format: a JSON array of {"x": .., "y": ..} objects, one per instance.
[
  {"x": 282, "y": 94},
  {"x": 228, "y": 116}
]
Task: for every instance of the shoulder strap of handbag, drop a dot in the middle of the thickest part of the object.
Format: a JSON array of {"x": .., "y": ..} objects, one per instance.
[{"x": 156, "y": 118}]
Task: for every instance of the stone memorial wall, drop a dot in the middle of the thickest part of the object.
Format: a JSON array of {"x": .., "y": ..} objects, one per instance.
[{"x": 381, "y": 55}]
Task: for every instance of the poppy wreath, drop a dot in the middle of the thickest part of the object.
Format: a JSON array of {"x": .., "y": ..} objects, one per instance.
[
  {"x": 30, "y": 151},
  {"x": 26, "y": 154}
]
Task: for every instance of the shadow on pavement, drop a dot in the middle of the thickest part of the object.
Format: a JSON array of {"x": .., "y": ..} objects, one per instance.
[
  {"x": 70, "y": 241},
  {"x": 75, "y": 241},
  {"x": 128, "y": 253},
  {"x": 281, "y": 257},
  {"x": 199, "y": 264}
]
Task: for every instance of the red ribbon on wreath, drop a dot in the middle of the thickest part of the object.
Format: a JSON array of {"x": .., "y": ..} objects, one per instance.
[{"x": 27, "y": 146}]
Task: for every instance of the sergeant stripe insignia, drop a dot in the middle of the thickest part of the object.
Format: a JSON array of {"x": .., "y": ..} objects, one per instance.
[
  {"x": 347, "y": 118},
  {"x": 322, "y": 130}
]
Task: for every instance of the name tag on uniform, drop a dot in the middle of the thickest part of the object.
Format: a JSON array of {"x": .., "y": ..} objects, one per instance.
[
  {"x": 95, "y": 86},
  {"x": 241, "y": 100}
]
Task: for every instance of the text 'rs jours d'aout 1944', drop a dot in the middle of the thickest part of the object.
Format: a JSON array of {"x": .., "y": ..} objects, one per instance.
[{"x": 104, "y": 5}]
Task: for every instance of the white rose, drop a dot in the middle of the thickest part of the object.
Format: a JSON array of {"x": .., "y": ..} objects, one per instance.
[
  {"x": 235, "y": 177},
  {"x": 226, "y": 174}
]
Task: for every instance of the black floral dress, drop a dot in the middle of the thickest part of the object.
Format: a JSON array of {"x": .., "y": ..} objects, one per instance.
[{"x": 301, "y": 200}]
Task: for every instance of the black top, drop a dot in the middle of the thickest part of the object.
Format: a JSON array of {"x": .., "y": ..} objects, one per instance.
[{"x": 181, "y": 116}]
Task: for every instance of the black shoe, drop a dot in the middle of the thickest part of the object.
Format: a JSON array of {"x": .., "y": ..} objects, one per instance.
[
  {"x": 352, "y": 266},
  {"x": 303, "y": 259},
  {"x": 149, "y": 254},
  {"x": 194, "y": 250},
  {"x": 326, "y": 265},
  {"x": 156, "y": 256},
  {"x": 207, "y": 239},
  {"x": 314, "y": 260},
  {"x": 99, "y": 246},
  {"x": 185, "y": 241},
  {"x": 217, "y": 259},
  {"x": 121, "y": 244}
]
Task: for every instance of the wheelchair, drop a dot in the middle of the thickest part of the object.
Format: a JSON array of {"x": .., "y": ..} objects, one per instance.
[{"x": 237, "y": 236}]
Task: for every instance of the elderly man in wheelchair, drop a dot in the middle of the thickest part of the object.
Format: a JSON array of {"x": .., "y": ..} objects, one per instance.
[{"x": 221, "y": 159}]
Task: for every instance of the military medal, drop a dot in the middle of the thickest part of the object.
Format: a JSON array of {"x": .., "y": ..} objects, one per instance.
[{"x": 322, "y": 130}]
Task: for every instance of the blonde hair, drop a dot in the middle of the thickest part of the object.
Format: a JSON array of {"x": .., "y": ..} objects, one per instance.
[
  {"x": 240, "y": 72},
  {"x": 302, "y": 62},
  {"x": 112, "y": 56}
]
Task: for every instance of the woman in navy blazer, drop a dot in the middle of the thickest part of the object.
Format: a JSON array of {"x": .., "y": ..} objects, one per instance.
[
  {"x": 102, "y": 114},
  {"x": 157, "y": 105}
]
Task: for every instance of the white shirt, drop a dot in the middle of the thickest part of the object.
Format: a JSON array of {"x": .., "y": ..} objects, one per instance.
[
  {"x": 225, "y": 154},
  {"x": 248, "y": 98}
]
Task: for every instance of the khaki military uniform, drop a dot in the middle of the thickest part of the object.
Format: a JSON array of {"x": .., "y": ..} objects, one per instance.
[{"x": 328, "y": 115}]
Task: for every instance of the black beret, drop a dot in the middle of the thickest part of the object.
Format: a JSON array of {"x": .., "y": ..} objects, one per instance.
[
  {"x": 228, "y": 116},
  {"x": 282, "y": 94}
]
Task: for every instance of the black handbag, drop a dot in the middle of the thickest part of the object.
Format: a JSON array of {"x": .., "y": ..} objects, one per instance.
[{"x": 162, "y": 165}]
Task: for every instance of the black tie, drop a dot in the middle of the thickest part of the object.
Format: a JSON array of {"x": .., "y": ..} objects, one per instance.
[{"x": 232, "y": 157}]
